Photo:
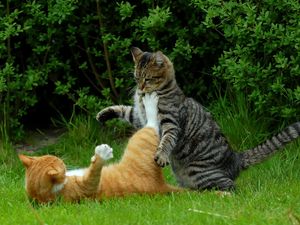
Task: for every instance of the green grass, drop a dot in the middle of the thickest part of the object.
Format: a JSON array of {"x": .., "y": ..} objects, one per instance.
[{"x": 268, "y": 193}]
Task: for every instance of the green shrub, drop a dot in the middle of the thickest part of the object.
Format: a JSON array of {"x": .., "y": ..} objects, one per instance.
[
  {"x": 262, "y": 55},
  {"x": 79, "y": 50}
]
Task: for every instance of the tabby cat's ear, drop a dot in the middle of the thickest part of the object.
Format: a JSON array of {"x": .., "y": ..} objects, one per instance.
[
  {"x": 26, "y": 160},
  {"x": 136, "y": 52},
  {"x": 159, "y": 58}
]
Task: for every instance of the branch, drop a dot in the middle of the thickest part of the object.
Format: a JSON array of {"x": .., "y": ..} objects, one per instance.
[
  {"x": 47, "y": 52},
  {"x": 97, "y": 75},
  {"x": 106, "y": 56},
  {"x": 85, "y": 74},
  {"x": 8, "y": 39},
  {"x": 9, "y": 59}
]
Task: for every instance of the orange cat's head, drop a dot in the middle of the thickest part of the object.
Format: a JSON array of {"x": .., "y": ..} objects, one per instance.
[{"x": 45, "y": 176}]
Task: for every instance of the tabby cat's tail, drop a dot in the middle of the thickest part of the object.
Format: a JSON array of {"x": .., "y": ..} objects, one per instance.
[{"x": 261, "y": 152}]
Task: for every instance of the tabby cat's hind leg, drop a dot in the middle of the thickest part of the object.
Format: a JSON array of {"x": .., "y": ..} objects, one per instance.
[
  {"x": 225, "y": 185},
  {"x": 213, "y": 180}
]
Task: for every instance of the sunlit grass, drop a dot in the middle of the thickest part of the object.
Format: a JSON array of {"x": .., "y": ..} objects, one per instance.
[{"x": 266, "y": 194}]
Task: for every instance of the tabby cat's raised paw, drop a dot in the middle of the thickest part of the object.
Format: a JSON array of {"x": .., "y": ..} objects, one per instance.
[
  {"x": 161, "y": 159},
  {"x": 106, "y": 114},
  {"x": 104, "y": 151}
]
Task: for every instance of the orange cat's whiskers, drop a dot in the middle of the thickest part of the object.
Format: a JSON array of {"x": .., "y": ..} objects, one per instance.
[{"x": 58, "y": 187}]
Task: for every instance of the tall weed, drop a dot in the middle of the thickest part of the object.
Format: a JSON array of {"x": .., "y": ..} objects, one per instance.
[
  {"x": 83, "y": 134},
  {"x": 243, "y": 127}
]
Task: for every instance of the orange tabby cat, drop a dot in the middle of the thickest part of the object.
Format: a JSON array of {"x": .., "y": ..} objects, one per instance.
[{"x": 137, "y": 172}]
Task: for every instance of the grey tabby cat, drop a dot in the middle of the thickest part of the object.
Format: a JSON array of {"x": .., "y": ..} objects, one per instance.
[{"x": 191, "y": 140}]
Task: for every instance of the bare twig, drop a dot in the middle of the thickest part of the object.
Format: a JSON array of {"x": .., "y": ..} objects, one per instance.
[
  {"x": 8, "y": 39},
  {"x": 106, "y": 56},
  {"x": 86, "y": 76},
  {"x": 47, "y": 52},
  {"x": 295, "y": 220},
  {"x": 209, "y": 213},
  {"x": 7, "y": 98},
  {"x": 97, "y": 75},
  {"x": 34, "y": 212}
]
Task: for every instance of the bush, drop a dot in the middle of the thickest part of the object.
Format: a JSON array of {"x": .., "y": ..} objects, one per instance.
[
  {"x": 55, "y": 50},
  {"x": 262, "y": 59},
  {"x": 80, "y": 50}
]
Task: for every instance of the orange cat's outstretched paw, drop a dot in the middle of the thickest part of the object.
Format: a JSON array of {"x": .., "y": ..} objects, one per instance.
[{"x": 104, "y": 151}]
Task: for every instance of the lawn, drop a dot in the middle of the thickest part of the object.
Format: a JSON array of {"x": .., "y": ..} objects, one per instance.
[{"x": 268, "y": 193}]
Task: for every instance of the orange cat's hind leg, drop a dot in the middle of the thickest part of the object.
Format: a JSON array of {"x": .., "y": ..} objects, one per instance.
[
  {"x": 170, "y": 188},
  {"x": 92, "y": 175}
]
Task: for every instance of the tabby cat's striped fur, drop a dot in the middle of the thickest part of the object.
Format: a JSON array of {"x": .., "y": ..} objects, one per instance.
[{"x": 191, "y": 140}]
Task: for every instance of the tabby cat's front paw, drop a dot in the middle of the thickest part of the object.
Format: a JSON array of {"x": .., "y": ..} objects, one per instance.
[
  {"x": 161, "y": 159},
  {"x": 106, "y": 114},
  {"x": 104, "y": 151}
]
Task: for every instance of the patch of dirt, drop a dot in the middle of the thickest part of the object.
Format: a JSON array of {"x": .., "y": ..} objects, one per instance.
[{"x": 38, "y": 139}]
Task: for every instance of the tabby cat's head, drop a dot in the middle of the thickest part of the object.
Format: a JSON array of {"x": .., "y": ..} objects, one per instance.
[
  {"x": 45, "y": 175},
  {"x": 153, "y": 71}
]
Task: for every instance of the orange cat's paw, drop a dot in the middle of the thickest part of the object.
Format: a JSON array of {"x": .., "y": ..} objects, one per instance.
[
  {"x": 161, "y": 158},
  {"x": 151, "y": 99},
  {"x": 104, "y": 151},
  {"x": 150, "y": 102}
]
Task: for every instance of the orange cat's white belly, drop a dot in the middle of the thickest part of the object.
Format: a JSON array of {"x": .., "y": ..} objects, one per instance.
[{"x": 77, "y": 172}]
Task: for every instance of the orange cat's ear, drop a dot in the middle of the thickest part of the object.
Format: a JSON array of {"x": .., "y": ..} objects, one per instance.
[
  {"x": 136, "y": 52},
  {"x": 55, "y": 175},
  {"x": 52, "y": 172},
  {"x": 26, "y": 160},
  {"x": 159, "y": 58}
]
